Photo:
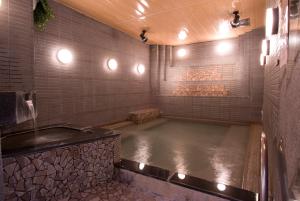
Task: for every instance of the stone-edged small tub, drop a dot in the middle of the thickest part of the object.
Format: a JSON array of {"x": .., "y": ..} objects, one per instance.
[{"x": 55, "y": 162}]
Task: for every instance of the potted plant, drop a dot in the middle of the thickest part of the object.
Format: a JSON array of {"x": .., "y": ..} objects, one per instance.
[{"x": 42, "y": 13}]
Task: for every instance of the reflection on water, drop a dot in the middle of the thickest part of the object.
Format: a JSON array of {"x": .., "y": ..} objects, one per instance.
[
  {"x": 142, "y": 153},
  {"x": 211, "y": 152},
  {"x": 179, "y": 161},
  {"x": 222, "y": 169}
]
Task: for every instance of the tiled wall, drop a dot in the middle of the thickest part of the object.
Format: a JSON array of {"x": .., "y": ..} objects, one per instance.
[
  {"x": 229, "y": 87},
  {"x": 282, "y": 101},
  {"x": 85, "y": 92},
  {"x": 16, "y": 49}
]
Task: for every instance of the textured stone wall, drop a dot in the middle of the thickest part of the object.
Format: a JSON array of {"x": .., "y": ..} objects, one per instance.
[
  {"x": 281, "y": 106},
  {"x": 207, "y": 85},
  {"x": 57, "y": 173}
]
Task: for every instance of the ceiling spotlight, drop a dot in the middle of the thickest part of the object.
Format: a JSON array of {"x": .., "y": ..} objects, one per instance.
[
  {"x": 182, "y": 34},
  {"x": 64, "y": 56},
  {"x": 112, "y": 64},
  {"x": 272, "y": 21},
  {"x": 145, "y": 3},
  {"x": 143, "y": 36},
  {"x": 224, "y": 27},
  {"x": 265, "y": 47},
  {"x": 141, "y": 8},
  {"x": 237, "y": 22}
]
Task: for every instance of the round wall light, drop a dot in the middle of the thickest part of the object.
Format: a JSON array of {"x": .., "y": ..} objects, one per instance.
[
  {"x": 64, "y": 56},
  {"x": 221, "y": 187},
  {"x": 272, "y": 21},
  {"x": 265, "y": 47},
  {"x": 181, "y": 52},
  {"x": 112, "y": 64},
  {"x": 224, "y": 48},
  {"x": 140, "y": 69}
]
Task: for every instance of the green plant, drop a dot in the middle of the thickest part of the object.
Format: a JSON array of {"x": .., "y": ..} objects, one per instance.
[{"x": 42, "y": 14}]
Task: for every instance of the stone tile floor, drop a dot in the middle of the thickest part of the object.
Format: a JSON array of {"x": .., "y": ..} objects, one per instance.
[{"x": 112, "y": 191}]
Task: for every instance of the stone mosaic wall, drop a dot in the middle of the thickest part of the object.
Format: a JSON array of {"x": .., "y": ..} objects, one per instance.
[{"x": 55, "y": 174}]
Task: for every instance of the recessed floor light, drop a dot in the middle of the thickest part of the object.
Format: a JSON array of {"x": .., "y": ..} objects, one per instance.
[
  {"x": 221, "y": 187},
  {"x": 181, "y": 176}
]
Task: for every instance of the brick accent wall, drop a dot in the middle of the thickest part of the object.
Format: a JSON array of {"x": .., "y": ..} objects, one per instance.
[{"x": 207, "y": 85}]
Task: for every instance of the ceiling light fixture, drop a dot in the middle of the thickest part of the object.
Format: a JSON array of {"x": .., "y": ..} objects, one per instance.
[
  {"x": 140, "y": 69},
  {"x": 272, "y": 21},
  {"x": 181, "y": 52},
  {"x": 224, "y": 27},
  {"x": 182, "y": 34},
  {"x": 112, "y": 64},
  {"x": 138, "y": 13},
  {"x": 265, "y": 47},
  {"x": 140, "y": 8},
  {"x": 145, "y": 3},
  {"x": 64, "y": 56},
  {"x": 263, "y": 60}
]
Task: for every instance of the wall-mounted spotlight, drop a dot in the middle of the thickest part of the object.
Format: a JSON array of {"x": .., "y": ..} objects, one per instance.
[
  {"x": 265, "y": 47},
  {"x": 112, "y": 64},
  {"x": 263, "y": 60},
  {"x": 140, "y": 69},
  {"x": 272, "y": 21},
  {"x": 143, "y": 36},
  {"x": 64, "y": 56}
]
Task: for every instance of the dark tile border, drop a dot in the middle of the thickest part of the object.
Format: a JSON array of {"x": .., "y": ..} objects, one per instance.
[
  {"x": 231, "y": 193},
  {"x": 151, "y": 171},
  {"x": 190, "y": 182}
]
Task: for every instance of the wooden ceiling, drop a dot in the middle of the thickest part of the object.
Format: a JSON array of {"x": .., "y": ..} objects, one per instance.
[{"x": 164, "y": 19}]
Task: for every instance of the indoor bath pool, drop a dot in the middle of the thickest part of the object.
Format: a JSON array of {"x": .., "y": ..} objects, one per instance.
[{"x": 215, "y": 152}]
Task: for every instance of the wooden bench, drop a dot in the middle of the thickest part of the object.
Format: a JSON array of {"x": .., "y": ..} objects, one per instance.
[{"x": 142, "y": 116}]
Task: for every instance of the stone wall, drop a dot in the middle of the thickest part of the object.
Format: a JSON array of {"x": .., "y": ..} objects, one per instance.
[
  {"x": 57, "y": 173},
  {"x": 207, "y": 84}
]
